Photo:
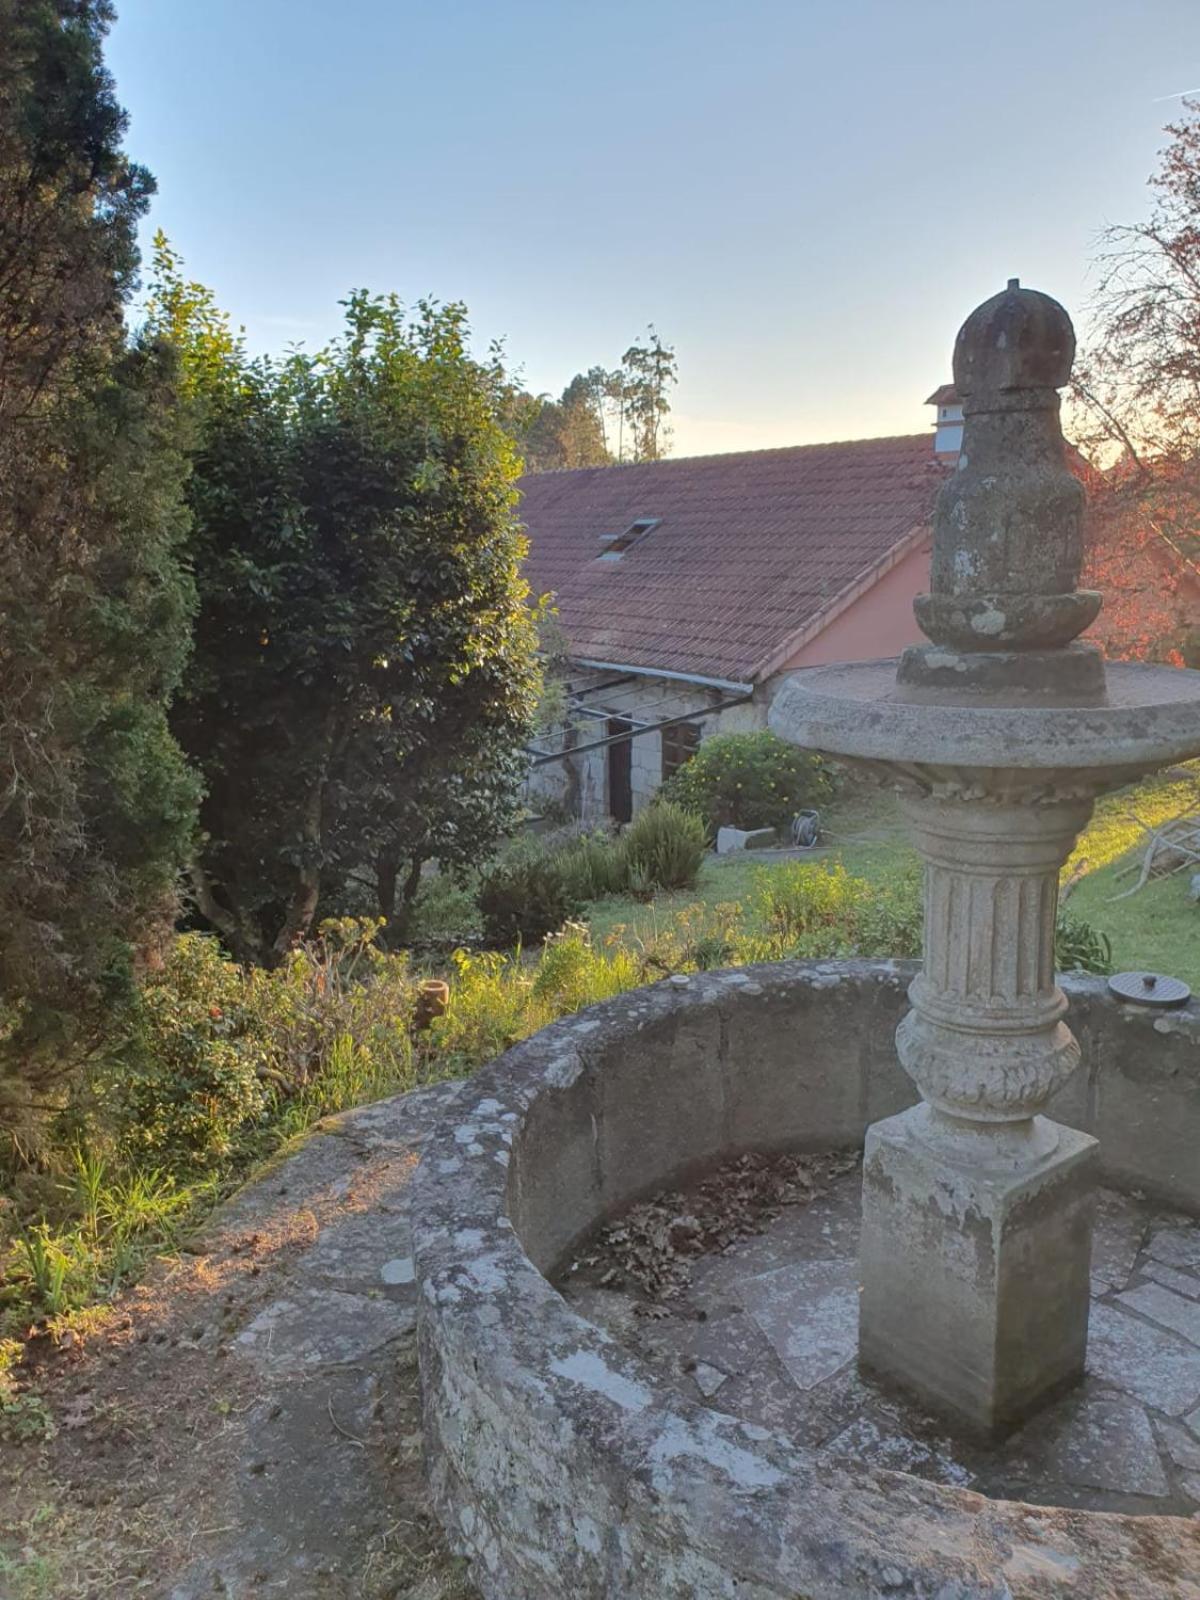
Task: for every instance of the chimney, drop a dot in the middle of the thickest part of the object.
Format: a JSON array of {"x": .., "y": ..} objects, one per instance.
[{"x": 947, "y": 441}]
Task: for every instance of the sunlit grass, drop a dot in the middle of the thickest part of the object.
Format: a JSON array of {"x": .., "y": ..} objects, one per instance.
[{"x": 1122, "y": 821}]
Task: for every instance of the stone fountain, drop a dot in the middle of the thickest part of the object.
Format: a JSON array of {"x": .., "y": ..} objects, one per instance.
[
  {"x": 591, "y": 1437},
  {"x": 1000, "y": 732}
]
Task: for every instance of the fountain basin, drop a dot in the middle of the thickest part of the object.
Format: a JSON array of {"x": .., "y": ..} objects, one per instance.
[
  {"x": 563, "y": 1464},
  {"x": 1149, "y": 718}
]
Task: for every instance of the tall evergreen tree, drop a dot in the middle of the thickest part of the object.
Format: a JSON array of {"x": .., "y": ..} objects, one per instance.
[
  {"x": 96, "y": 803},
  {"x": 648, "y": 372}
]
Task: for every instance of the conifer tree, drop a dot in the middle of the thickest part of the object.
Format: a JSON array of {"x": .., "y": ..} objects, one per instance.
[{"x": 96, "y": 801}]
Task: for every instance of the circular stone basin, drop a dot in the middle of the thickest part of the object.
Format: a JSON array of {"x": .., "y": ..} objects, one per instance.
[
  {"x": 1149, "y": 718},
  {"x": 567, "y": 1458}
]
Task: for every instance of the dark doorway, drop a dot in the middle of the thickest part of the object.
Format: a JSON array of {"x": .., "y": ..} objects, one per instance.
[{"x": 620, "y": 771}]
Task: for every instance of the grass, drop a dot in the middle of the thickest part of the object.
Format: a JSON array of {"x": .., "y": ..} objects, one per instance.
[
  {"x": 864, "y": 833},
  {"x": 1157, "y": 928}
]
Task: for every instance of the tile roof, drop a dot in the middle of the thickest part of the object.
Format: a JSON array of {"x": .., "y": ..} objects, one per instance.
[{"x": 752, "y": 547}]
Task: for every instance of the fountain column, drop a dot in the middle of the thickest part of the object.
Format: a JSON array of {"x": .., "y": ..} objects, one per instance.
[
  {"x": 1000, "y": 733},
  {"x": 977, "y": 1210}
]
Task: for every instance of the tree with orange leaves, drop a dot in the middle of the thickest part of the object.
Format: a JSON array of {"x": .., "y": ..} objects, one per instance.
[{"x": 1137, "y": 417}]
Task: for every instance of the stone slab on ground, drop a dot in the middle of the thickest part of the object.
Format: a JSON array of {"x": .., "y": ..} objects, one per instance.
[
  {"x": 246, "y": 1424},
  {"x": 732, "y": 839},
  {"x": 776, "y": 1313},
  {"x": 809, "y": 1313},
  {"x": 1153, "y": 1365},
  {"x": 313, "y": 1501}
]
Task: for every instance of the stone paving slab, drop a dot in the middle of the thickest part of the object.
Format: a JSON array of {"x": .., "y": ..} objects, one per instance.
[
  {"x": 1165, "y": 1306},
  {"x": 767, "y": 1332},
  {"x": 1117, "y": 1240},
  {"x": 1143, "y": 1360},
  {"x": 809, "y": 1313},
  {"x": 1176, "y": 1247},
  {"x": 1092, "y": 1441},
  {"x": 1185, "y": 1283},
  {"x": 313, "y": 1498},
  {"x": 871, "y": 1441}
]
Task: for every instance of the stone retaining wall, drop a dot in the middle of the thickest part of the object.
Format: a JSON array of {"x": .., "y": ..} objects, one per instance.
[{"x": 561, "y": 1466}]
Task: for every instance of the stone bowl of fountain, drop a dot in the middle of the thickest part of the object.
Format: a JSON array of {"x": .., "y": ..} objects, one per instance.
[{"x": 853, "y": 1279}]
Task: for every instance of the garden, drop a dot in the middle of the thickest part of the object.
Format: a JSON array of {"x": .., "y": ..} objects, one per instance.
[
  {"x": 222, "y": 1065},
  {"x": 269, "y": 676}
]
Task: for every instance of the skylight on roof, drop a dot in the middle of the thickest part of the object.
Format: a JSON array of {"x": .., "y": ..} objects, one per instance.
[{"x": 616, "y": 544}]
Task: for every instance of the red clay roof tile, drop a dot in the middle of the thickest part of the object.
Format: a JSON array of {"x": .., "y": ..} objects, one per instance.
[{"x": 751, "y": 547}]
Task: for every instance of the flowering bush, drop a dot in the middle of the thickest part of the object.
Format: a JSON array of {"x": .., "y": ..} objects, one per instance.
[{"x": 749, "y": 780}]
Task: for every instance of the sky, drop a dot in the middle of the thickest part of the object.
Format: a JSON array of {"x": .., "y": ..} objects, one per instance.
[{"x": 805, "y": 199}]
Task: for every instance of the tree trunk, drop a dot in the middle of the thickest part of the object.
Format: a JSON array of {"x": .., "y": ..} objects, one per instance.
[
  {"x": 387, "y": 870},
  {"x": 396, "y": 909},
  {"x": 302, "y": 908},
  {"x": 242, "y": 944}
]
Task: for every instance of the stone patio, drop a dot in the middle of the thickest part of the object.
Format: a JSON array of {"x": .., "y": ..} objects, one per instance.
[{"x": 767, "y": 1332}]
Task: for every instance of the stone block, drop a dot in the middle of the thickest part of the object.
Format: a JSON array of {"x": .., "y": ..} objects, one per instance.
[
  {"x": 975, "y": 1279},
  {"x": 794, "y": 1074},
  {"x": 660, "y": 1108},
  {"x": 731, "y": 839}
]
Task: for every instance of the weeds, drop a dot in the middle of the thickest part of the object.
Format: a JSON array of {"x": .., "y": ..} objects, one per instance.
[{"x": 229, "y": 1064}]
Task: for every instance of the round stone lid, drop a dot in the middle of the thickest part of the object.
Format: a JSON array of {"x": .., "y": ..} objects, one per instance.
[
  {"x": 1151, "y": 717},
  {"x": 1149, "y": 989},
  {"x": 1019, "y": 339}
]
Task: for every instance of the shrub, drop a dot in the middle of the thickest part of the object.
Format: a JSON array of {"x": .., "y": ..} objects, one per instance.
[
  {"x": 810, "y": 909},
  {"x": 497, "y": 999},
  {"x": 800, "y": 899},
  {"x": 445, "y": 912},
  {"x": 663, "y": 848},
  {"x": 192, "y": 1078},
  {"x": 1078, "y": 947},
  {"x": 889, "y": 918},
  {"x": 595, "y": 865},
  {"x": 749, "y": 780},
  {"x": 523, "y": 900},
  {"x": 571, "y": 974}
]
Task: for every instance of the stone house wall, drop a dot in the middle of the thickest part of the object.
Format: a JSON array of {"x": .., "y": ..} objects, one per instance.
[{"x": 581, "y": 785}]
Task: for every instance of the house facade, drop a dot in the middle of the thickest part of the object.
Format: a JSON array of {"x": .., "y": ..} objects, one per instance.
[{"x": 686, "y": 588}]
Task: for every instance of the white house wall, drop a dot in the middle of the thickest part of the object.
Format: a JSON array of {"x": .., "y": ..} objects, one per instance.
[{"x": 645, "y": 699}]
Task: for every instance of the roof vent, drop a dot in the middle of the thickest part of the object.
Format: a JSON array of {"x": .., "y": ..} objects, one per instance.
[{"x": 616, "y": 544}]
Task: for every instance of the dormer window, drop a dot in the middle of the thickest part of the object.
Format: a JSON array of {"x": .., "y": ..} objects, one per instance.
[{"x": 616, "y": 544}]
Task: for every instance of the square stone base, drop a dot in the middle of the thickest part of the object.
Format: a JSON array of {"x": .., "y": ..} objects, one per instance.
[{"x": 975, "y": 1281}]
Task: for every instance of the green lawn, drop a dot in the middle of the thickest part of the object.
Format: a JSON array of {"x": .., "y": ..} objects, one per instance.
[
  {"x": 864, "y": 832},
  {"x": 1158, "y": 928}
]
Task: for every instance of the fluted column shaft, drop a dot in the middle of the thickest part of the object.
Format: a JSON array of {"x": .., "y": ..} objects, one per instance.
[{"x": 985, "y": 1041}]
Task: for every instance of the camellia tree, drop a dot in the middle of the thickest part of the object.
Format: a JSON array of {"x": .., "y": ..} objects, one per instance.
[
  {"x": 97, "y": 804},
  {"x": 1137, "y": 416},
  {"x": 365, "y": 660}
]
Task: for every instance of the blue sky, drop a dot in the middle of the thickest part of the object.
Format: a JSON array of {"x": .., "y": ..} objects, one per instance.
[{"x": 806, "y": 199}]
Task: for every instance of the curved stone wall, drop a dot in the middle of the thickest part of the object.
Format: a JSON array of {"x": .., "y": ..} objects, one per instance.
[{"x": 561, "y": 1466}]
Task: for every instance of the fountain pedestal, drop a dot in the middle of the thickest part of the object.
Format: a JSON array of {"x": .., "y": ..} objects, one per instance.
[
  {"x": 977, "y": 1211},
  {"x": 975, "y": 1278},
  {"x": 1001, "y": 733}
]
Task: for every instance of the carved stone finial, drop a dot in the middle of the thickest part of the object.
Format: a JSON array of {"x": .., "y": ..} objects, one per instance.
[
  {"x": 1019, "y": 340},
  {"x": 1008, "y": 529}
]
